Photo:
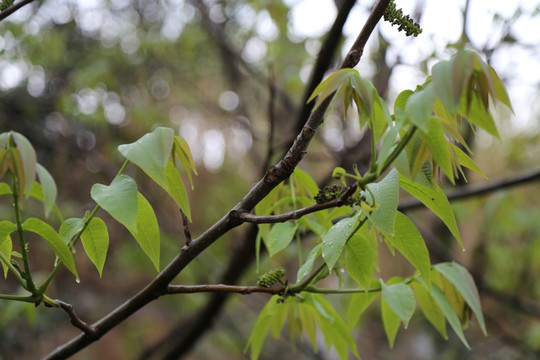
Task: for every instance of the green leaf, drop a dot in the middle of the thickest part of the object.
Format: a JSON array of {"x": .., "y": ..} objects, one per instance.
[
  {"x": 390, "y": 322},
  {"x": 304, "y": 180},
  {"x": 280, "y": 235},
  {"x": 37, "y": 193},
  {"x": 334, "y": 240},
  {"x": 4, "y": 189},
  {"x": 48, "y": 187},
  {"x": 466, "y": 161},
  {"x": 477, "y": 114},
  {"x": 420, "y": 106},
  {"x": 308, "y": 265},
  {"x": 6, "y": 246},
  {"x": 435, "y": 199},
  {"x": 95, "y": 240},
  {"x": 449, "y": 313},
  {"x": 429, "y": 308},
  {"x": 307, "y": 315},
  {"x": 439, "y": 147},
  {"x": 400, "y": 298},
  {"x": 410, "y": 243},
  {"x": 175, "y": 188},
  {"x": 441, "y": 78},
  {"x": 28, "y": 158},
  {"x": 151, "y": 152},
  {"x": 119, "y": 199},
  {"x": 401, "y": 100},
  {"x": 464, "y": 283},
  {"x": 333, "y": 328},
  {"x": 262, "y": 325},
  {"x": 146, "y": 230},
  {"x": 331, "y": 84},
  {"x": 54, "y": 240},
  {"x": 182, "y": 151},
  {"x": 500, "y": 90},
  {"x": 359, "y": 303},
  {"x": 361, "y": 258},
  {"x": 69, "y": 228},
  {"x": 386, "y": 194}
]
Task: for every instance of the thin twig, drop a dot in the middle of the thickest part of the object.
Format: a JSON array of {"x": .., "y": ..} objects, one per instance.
[
  {"x": 295, "y": 214},
  {"x": 75, "y": 320},
  {"x": 244, "y": 290},
  {"x": 10, "y": 10},
  {"x": 187, "y": 233}
]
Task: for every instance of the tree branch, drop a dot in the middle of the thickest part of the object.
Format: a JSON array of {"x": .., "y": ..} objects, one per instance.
[
  {"x": 10, "y": 10},
  {"x": 275, "y": 175},
  {"x": 244, "y": 290},
  {"x": 478, "y": 189},
  {"x": 75, "y": 320}
]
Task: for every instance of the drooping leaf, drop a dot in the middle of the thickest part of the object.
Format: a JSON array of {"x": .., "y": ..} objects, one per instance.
[
  {"x": 439, "y": 147},
  {"x": 400, "y": 298},
  {"x": 479, "y": 115},
  {"x": 449, "y": 313},
  {"x": 280, "y": 235},
  {"x": 37, "y": 193},
  {"x": 360, "y": 259},
  {"x": 435, "y": 199},
  {"x": 262, "y": 325},
  {"x": 429, "y": 308},
  {"x": 466, "y": 161},
  {"x": 331, "y": 84},
  {"x": 386, "y": 194},
  {"x": 391, "y": 322},
  {"x": 401, "y": 100},
  {"x": 500, "y": 90},
  {"x": 307, "y": 183},
  {"x": 54, "y": 240},
  {"x": 119, "y": 199},
  {"x": 409, "y": 242},
  {"x": 48, "y": 187},
  {"x": 95, "y": 240},
  {"x": 359, "y": 303},
  {"x": 146, "y": 230},
  {"x": 176, "y": 189},
  {"x": 151, "y": 152},
  {"x": 334, "y": 240},
  {"x": 441, "y": 78},
  {"x": 183, "y": 153},
  {"x": 464, "y": 283}
]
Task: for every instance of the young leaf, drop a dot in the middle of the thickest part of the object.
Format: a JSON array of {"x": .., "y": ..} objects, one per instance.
[
  {"x": 264, "y": 321},
  {"x": 466, "y": 161},
  {"x": 175, "y": 188},
  {"x": 119, "y": 199},
  {"x": 435, "y": 199},
  {"x": 182, "y": 151},
  {"x": 334, "y": 240},
  {"x": 441, "y": 78},
  {"x": 28, "y": 158},
  {"x": 331, "y": 84},
  {"x": 464, "y": 283},
  {"x": 390, "y": 322},
  {"x": 420, "y": 106},
  {"x": 449, "y": 313},
  {"x": 359, "y": 303},
  {"x": 48, "y": 187},
  {"x": 429, "y": 308},
  {"x": 95, "y": 240},
  {"x": 280, "y": 236},
  {"x": 360, "y": 259},
  {"x": 6, "y": 246},
  {"x": 386, "y": 194},
  {"x": 151, "y": 152},
  {"x": 69, "y": 228},
  {"x": 439, "y": 147},
  {"x": 401, "y": 100},
  {"x": 308, "y": 265},
  {"x": 4, "y": 189},
  {"x": 54, "y": 240},
  {"x": 400, "y": 298},
  {"x": 146, "y": 230},
  {"x": 477, "y": 114},
  {"x": 410, "y": 243}
]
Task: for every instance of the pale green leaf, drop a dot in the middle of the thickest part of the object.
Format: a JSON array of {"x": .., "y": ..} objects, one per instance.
[
  {"x": 95, "y": 240},
  {"x": 54, "y": 240},
  {"x": 449, "y": 313},
  {"x": 420, "y": 106},
  {"x": 331, "y": 84},
  {"x": 466, "y": 161},
  {"x": 464, "y": 283},
  {"x": 500, "y": 90},
  {"x": 146, "y": 230},
  {"x": 308, "y": 265},
  {"x": 262, "y": 325},
  {"x": 400, "y": 298},
  {"x": 435, "y": 199},
  {"x": 151, "y": 152},
  {"x": 69, "y": 228},
  {"x": 360, "y": 259},
  {"x": 304, "y": 180},
  {"x": 401, "y": 100},
  {"x": 182, "y": 151},
  {"x": 429, "y": 308},
  {"x": 390, "y": 322},
  {"x": 175, "y": 188},
  {"x": 6, "y": 246},
  {"x": 441, "y": 78},
  {"x": 386, "y": 194},
  {"x": 334, "y": 240},
  {"x": 48, "y": 187},
  {"x": 5, "y": 189},
  {"x": 359, "y": 303},
  {"x": 410, "y": 243},
  {"x": 280, "y": 235},
  {"x": 28, "y": 157},
  {"x": 119, "y": 199},
  {"x": 439, "y": 147},
  {"x": 478, "y": 115}
]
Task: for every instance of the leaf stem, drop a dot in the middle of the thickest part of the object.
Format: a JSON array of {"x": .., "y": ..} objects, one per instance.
[
  {"x": 398, "y": 149},
  {"x": 12, "y": 268},
  {"x": 28, "y": 299},
  {"x": 28, "y": 284}
]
